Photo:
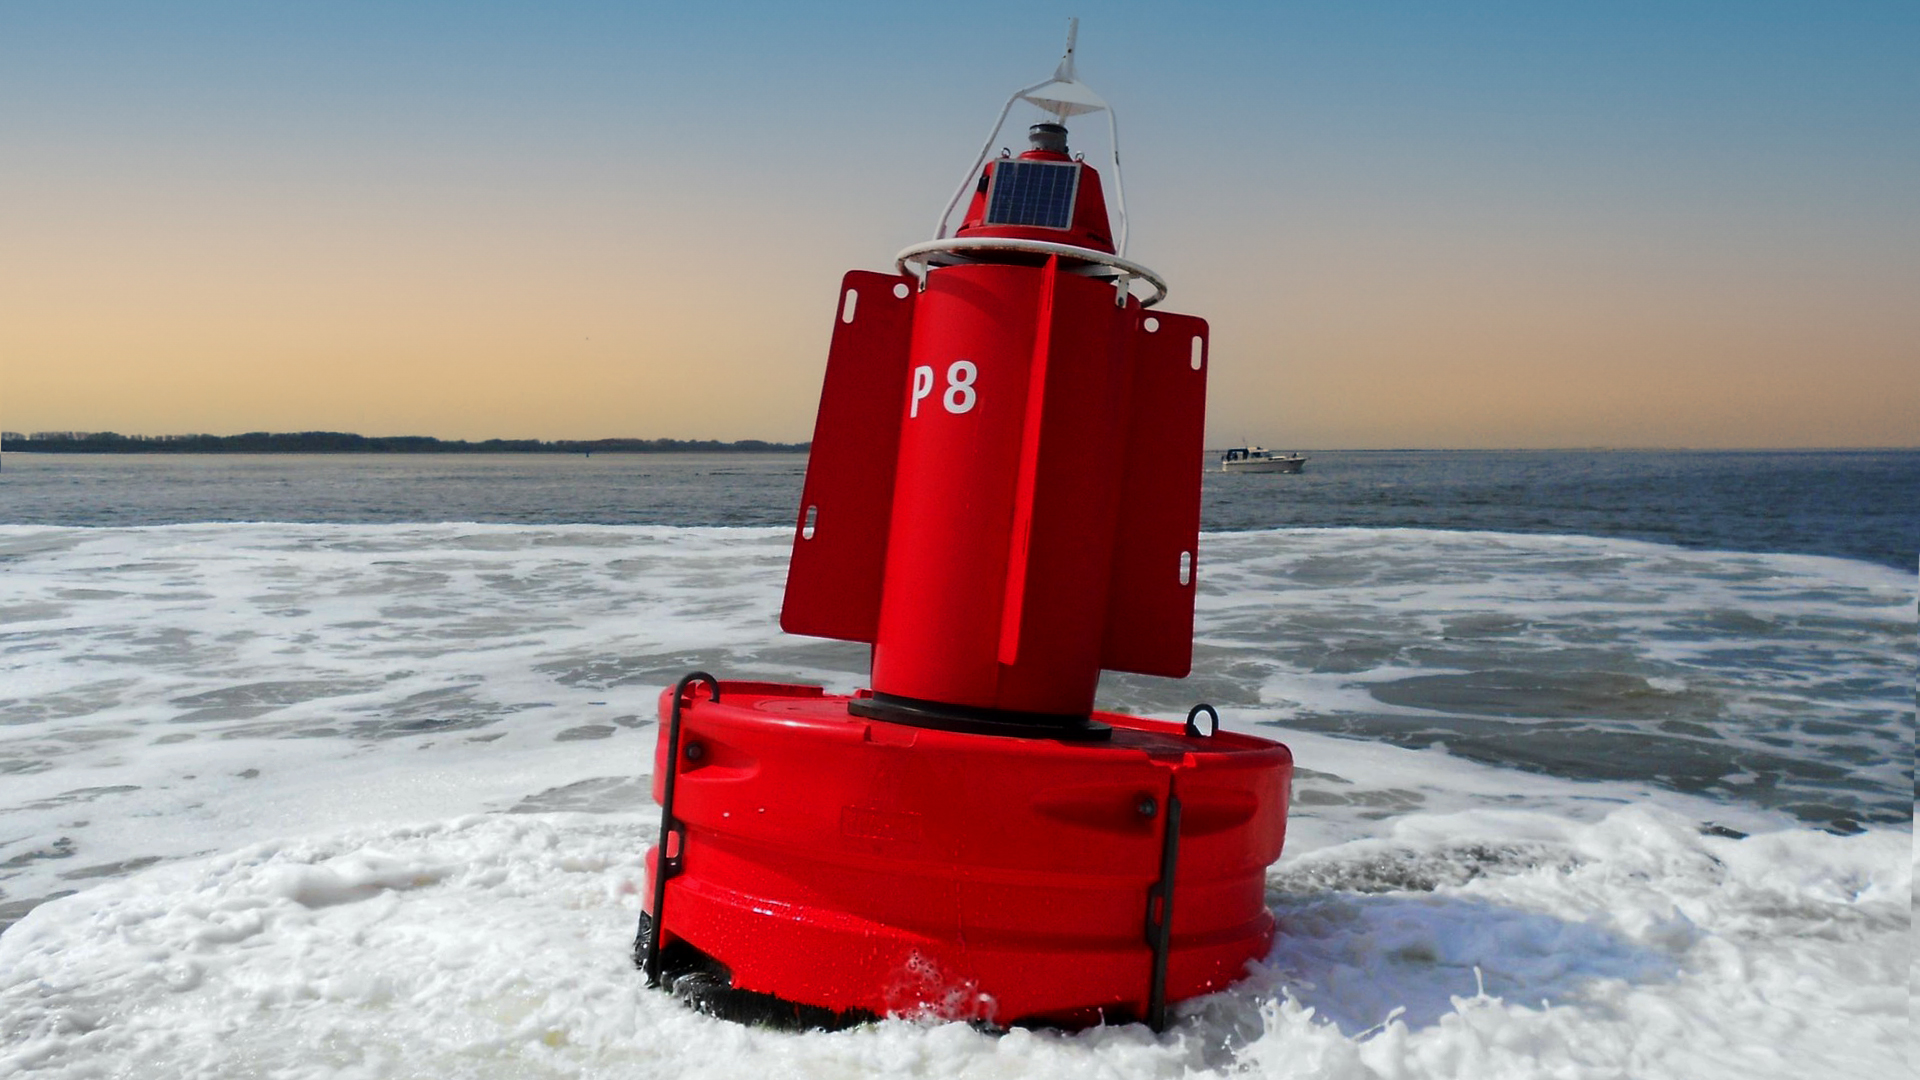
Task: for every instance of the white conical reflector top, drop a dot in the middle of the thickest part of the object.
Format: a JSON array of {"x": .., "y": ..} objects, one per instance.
[
  {"x": 1064, "y": 99},
  {"x": 1065, "y": 95}
]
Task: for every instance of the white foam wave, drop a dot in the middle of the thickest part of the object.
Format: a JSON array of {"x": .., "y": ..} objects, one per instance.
[
  {"x": 1511, "y": 944},
  {"x": 180, "y": 690},
  {"x": 176, "y": 692}
]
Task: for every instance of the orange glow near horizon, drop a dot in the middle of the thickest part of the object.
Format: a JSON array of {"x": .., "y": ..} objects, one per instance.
[
  {"x": 569, "y": 331},
  {"x": 1441, "y": 264}
]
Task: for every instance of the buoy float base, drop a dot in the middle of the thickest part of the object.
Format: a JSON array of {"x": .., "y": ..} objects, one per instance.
[{"x": 842, "y": 866}]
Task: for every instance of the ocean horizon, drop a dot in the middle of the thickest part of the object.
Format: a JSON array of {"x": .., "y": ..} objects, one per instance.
[{"x": 1850, "y": 503}]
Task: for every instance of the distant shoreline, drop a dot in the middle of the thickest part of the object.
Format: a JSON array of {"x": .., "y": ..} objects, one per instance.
[{"x": 334, "y": 442}]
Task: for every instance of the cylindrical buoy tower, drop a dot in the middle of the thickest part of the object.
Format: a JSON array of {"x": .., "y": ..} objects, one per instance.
[{"x": 1003, "y": 498}]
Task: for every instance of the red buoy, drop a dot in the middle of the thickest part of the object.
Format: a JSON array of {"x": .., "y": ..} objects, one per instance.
[{"x": 1003, "y": 499}]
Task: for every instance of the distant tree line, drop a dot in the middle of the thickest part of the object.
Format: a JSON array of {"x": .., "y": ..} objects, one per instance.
[{"x": 336, "y": 442}]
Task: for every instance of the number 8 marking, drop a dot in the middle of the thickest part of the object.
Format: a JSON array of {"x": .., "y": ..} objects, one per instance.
[{"x": 960, "y": 394}]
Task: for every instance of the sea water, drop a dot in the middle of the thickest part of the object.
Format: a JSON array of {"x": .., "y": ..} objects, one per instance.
[
  {"x": 1860, "y": 504},
  {"x": 367, "y": 796}
]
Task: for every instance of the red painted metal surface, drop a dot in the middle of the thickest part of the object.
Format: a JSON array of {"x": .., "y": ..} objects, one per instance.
[
  {"x": 1149, "y": 626},
  {"x": 1004, "y": 488},
  {"x": 840, "y": 540},
  {"x": 1005, "y": 506},
  {"x": 853, "y": 863}
]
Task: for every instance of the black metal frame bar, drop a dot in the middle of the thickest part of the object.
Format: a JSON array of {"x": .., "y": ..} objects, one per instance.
[
  {"x": 1160, "y": 895},
  {"x": 1160, "y": 930},
  {"x": 665, "y": 868}
]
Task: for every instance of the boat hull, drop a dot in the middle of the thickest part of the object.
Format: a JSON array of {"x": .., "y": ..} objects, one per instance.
[{"x": 1265, "y": 465}]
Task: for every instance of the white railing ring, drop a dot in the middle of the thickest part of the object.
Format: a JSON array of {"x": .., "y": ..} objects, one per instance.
[{"x": 1128, "y": 270}]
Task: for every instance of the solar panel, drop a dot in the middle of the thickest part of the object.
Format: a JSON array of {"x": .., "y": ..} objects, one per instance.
[{"x": 1033, "y": 193}]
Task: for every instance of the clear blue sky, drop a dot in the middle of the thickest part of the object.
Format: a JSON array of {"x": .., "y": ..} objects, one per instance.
[{"x": 1410, "y": 224}]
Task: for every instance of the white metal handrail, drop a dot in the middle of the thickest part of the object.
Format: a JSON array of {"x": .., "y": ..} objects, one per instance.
[{"x": 919, "y": 254}]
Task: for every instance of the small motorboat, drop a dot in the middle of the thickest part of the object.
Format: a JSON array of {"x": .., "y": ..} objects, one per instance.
[{"x": 1254, "y": 459}]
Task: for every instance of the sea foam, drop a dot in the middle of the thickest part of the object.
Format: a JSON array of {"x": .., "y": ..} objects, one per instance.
[
  {"x": 496, "y": 945},
  {"x": 371, "y": 800}
]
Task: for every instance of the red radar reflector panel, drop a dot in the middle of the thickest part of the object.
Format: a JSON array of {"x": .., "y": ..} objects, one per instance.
[
  {"x": 1155, "y": 567},
  {"x": 840, "y": 541}
]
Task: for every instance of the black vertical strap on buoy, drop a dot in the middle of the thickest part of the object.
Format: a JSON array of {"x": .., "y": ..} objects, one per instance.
[
  {"x": 1160, "y": 930},
  {"x": 1193, "y": 729},
  {"x": 670, "y": 827}
]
